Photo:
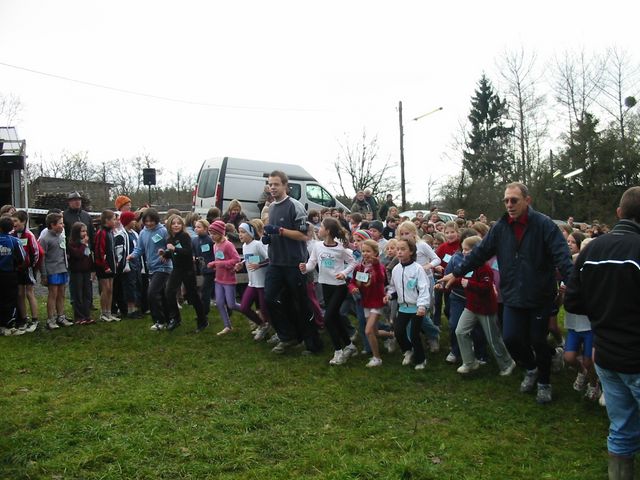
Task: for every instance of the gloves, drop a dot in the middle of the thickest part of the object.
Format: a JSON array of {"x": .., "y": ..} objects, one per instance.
[
  {"x": 266, "y": 239},
  {"x": 271, "y": 230}
]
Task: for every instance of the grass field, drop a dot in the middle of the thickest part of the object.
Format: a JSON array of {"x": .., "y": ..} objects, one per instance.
[{"x": 114, "y": 401}]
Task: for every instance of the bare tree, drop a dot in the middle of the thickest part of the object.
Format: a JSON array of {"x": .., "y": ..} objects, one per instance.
[
  {"x": 576, "y": 80},
  {"x": 526, "y": 106},
  {"x": 10, "y": 108},
  {"x": 358, "y": 166},
  {"x": 620, "y": 81}
]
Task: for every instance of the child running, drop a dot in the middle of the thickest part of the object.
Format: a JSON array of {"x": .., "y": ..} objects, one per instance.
[
  {"x": 481, "y": 307},
  {"x": 226, "y": 257},
  {"x": 409, "y": 285},
  {"x": 256, "y": 258},
  {"x": 369, "y": 279},
  {"x": 335, "y": 262}
]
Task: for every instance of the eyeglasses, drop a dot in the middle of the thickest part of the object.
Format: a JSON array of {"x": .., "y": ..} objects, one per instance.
[{"x": 511, "y": 200}]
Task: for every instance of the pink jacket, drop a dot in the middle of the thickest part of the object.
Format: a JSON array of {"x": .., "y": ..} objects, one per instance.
[{"x": 226, "y": 258}]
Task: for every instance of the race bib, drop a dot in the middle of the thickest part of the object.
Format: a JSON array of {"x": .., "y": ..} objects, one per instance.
[
  {"x": 494, "y": 265},
  {"x": 446, "y": 258},
  {"x": 24, "y": 241},
  {"x": 469, "y": 274},
  {"x": 178, "y": 245},
  {"x": 412, "y": 283},
  {"x": 220, "y": 255},
  {"x": 156, "y": 238},
  {"x": 205, "y": 247},
  {"x": 328, "y": 262},
  {"x": 62, "y": 244},
  {"x": 254, "y": 259},
  {"x": 87, "y": 251},
  {"x": 362, "y": 277}
]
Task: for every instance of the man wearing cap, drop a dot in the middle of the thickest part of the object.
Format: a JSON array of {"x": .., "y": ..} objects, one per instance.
[{"x": 74, "y": 213}]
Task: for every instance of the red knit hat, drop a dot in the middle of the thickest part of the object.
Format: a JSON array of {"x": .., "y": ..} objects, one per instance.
[
  {"x": 218, "y": 227},
  {"x": 126, "y": 218}
]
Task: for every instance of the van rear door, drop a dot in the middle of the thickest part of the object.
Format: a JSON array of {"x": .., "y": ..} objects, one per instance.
[{"x": 207, "y": 187}]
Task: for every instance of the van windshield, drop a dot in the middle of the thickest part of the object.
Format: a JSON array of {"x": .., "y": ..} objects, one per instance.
[
  {"x": 207, "y": 183},
  {"x": 295, "y": 190}
]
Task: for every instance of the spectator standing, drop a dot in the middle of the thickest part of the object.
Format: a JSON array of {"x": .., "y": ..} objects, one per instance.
[
  {"x": 360, "y": 204},
  {"x": 384, "y": 209},
  {"x": 604, "y": 286}
]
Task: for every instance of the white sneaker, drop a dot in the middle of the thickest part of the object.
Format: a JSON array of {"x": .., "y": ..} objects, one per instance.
[
  {"x": 509, "y": 370},
  {"x": 350, "y": 351},
  {"x": 374, "y": 362},
  {"x": 407, "y": 358},
  {"x": 273, "y": 340},
  {"x": 155, "y": 327},
  {"x": 468, "y": 367},
  {"x": 421, "y": 366},
  {"x": 51, "y": 324},
  {"x": 224, "y": 331},
  {"x": 261, "y": 333},
  {"x": 5, "y": 331},
  {"x": 580, "y": 382},
  {"x": 114, "y": 318},
  {"x": 16, "y": 332},
  {"x": 105, "y": 318},
  {"x": 32, "y": 326},
  {"x": 338, "y": 358},
  {"x": 434, "y": 345},
  {"x": 62, "y": 320},
  {"x": 593, "y": 393},
  {"x": 451, "y": 358}
]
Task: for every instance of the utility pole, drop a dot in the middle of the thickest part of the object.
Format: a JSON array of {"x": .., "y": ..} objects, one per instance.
[
  {"x": 402, "y": 183},
  {"x": 553, "y": 185}
]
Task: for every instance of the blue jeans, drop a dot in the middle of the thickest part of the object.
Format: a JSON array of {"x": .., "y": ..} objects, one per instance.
[{"x": 622, "y": 394}]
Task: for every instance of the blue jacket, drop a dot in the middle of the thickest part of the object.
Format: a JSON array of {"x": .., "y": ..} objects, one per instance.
[
  {"x": 12, "y": 255},
  {"x": 527, "y": 270},
  {"x": 149, "y": 243}
]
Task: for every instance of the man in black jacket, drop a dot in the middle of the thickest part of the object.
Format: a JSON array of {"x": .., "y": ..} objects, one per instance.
[
  {"x": 529, "y": 247},
  {"x": 74, "y": 213},
  {"x": 604, "y": 286}
]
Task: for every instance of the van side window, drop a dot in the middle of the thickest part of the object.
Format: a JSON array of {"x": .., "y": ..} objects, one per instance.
[
  {"x": 317, "y": 194},
  {"x": 295, "y": 191},
  {"x": 208, "y": 182}
]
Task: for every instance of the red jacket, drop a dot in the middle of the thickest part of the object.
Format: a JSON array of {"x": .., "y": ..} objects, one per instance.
[
  {"x": 480, "y": 292},
  {"x": 31, "y": 247},
  {"x": 447, "y": 248},
  {"x": 372, "y": 291}
]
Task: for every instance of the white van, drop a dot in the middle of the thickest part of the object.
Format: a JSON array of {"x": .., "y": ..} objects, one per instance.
[{"x": 221, "y": 180}]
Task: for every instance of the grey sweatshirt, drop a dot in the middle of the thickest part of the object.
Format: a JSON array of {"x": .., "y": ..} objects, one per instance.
[{"x": 55, "y": 253}]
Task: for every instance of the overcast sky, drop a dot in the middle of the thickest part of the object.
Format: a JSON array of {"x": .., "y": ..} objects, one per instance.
[{"x": 273, "y": 80}]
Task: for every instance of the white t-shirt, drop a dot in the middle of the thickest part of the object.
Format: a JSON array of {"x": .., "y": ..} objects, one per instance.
[
  {"x": 331, "y": 261},
  {"x": 255, "y": 252}
]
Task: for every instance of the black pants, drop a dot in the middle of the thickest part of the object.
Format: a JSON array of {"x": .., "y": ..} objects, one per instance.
[
  {"x": 119, "y": 299},
  {"x": 291, "y": 316},
  {"x": 415, "y": 342},
  {"x": 81, "y": 294},
  {"x": 8, "y": 297},
  {"x": 177, "y": 278},
  {"x": 334, "y": 295},
  {"x": 156, "y": 296}
]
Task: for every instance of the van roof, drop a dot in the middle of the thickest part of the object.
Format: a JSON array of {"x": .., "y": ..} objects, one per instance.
[{"x": 260, "y": 167}]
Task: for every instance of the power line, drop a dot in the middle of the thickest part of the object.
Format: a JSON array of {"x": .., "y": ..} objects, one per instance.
[{"x": 156, "y": 97}]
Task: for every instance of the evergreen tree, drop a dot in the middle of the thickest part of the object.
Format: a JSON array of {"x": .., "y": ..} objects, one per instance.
[{"x": 487, "y": 157}]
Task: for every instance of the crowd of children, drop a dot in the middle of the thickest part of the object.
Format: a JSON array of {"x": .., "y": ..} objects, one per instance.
[{"x": 386, "y": 273}]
